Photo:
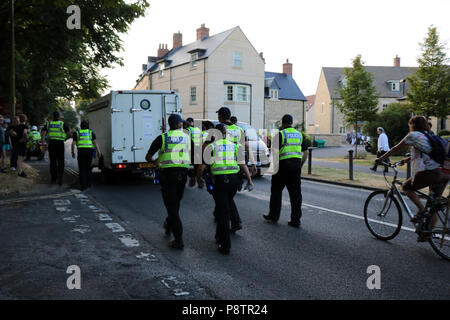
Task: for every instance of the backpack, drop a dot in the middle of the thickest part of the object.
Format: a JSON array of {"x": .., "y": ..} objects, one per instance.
[{"x": 438, "y": 148}]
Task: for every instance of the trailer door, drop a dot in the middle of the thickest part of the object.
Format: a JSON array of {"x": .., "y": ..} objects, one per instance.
[
  {"x": 121, "y": 128},
  {"x": 147, "y": 123}
]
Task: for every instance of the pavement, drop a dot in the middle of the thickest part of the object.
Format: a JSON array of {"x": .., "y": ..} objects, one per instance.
[{"x": 327, "y": 258}]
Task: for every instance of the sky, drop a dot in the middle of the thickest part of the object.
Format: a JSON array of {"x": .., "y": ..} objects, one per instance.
[{"x": 311, "y": 34}]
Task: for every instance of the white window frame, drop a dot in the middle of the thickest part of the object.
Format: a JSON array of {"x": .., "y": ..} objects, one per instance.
[
  {"x": 384, "y": 106},
  {"x": 395, "y": 86},
  {"x": 244, "y": 94},
  {"x": 236, "y": 93},
  {"x": 193, "y": 95},
  {"x": 237, "y": 60},
  {"x": 161, "y": 69},
  {"x": 194, "y": 57},
  {"x": 274, "y": 94},
  {"x": 229, "y": 88}
]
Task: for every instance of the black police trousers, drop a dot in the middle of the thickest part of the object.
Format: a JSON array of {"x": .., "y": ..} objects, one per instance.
[
  {"x": 173, "y": 181},
  {"x": 84, "y": 167},
  {"x": 288, "y": 175},
  {"x": 225, "y": 189},
  {"x": 56, "y": 155}
]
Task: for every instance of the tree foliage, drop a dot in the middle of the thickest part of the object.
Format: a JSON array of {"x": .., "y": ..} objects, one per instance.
[
  {"x": 358, "y": 95},
  {"x": 429, "y": 90},
  {"x": 53, "y": 62}
]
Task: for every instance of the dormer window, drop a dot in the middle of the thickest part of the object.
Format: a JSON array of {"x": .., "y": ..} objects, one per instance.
[
  {"x": 194, "y": 57},
  {"x": 274, "y": 94},
  {"x": 395, "y": 86},
  {"x": 161, "y": 69}
]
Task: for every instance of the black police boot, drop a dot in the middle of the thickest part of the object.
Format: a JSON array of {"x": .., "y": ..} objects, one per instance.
[
  {"x": 294, "y": 224},
  {"x": 166, "y": 228},
  {"x": 176, "y": 244},
  {"x": 223, "y": 250},
  {"x": 236, "y": 227},
  {"x": 268, "y": 218}
]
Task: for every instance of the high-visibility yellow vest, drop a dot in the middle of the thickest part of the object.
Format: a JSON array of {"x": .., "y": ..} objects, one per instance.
[
  {"x": 204, "y": 136},
  {"x": 224, "y": 157},
  {"x": 195, "y": 135},
  {"x": 56, "y": 131},
  {"x": 291, "y": 144},
  {"x": 175, "y": 151},
  {"x": 34, "y": 136},
  {"x": 234, "y": 133},
  {"x": 85, "y": 139}
]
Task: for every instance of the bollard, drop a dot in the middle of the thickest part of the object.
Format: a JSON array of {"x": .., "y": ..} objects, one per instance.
[
  {"x": 350, "y": 164},
  {"x": 310, "y": 160},
  {"x": 408, "y": 167}
]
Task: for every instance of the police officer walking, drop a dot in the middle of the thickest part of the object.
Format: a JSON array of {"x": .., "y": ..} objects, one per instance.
[
  {"x": 291, "y": 159},
  {"x": 226, "y": 160},
  {"x": 56, "y": 132},
  {"x": 173, "y": 160},
  {"x": 85, "y": 140},
  {"x": 196, "y": 137}
]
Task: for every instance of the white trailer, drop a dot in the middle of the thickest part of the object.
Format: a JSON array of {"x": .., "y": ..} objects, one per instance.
[{"x": 126, "y": 122}]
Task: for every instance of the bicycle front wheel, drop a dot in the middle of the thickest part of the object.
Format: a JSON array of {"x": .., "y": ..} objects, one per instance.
[
  {"x": 382, "y": 215},
  {"x": 440, "y": 231}
]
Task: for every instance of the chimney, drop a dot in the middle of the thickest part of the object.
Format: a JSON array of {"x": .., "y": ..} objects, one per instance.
[
  {"x": 162, "y": 50},
  {"x": 202, "y": 32},
  {"x": 287, "y": 67},
  {"x": 262, "y": 57},
  {"x": 177, "y": 40},
  {"x": 397, "y": 61}
]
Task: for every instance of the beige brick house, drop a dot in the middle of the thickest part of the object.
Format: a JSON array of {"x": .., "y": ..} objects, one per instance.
[
  {"x": 282, "y": 96},
  {"x": 214, "y": 71}
]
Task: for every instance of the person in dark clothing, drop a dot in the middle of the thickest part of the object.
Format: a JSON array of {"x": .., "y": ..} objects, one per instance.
[
  {"x": 291, "y": 159},
  {"x": 174, "y": 158},
  {"x": 85, "y": 140},
  {"x": 18, "y": 134},
  {"x": 56, "y": 133},
  {"x": 13, "y": 141}
]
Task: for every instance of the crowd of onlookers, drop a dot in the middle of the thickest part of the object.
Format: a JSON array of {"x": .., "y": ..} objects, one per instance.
[{"x": 13, "y": 140}]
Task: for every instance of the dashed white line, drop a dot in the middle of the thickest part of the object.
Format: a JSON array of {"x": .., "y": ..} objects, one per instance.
[{"x": 115, "y": 227}]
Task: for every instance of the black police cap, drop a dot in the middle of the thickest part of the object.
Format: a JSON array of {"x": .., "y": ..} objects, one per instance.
[
  {"x": 224, "y": 112},
  {"x": 174, "y": 119},
  {"x": 287, "y": 119}
]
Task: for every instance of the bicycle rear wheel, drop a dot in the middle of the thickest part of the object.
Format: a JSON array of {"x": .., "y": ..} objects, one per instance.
[
  {"x": 382, "y": 215},
  {"x": 440, "y": 231}
]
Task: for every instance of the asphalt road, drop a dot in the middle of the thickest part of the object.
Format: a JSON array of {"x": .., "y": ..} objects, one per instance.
[{"x": 327, "y": 258}]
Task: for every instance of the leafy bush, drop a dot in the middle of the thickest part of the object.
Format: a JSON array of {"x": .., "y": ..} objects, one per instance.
[
  {"x": 444, "y": 132},
  {"x": 307, "y": 139}
]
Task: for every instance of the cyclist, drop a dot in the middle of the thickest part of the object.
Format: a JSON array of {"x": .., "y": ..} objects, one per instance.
[{"x": 425, "y": 171}]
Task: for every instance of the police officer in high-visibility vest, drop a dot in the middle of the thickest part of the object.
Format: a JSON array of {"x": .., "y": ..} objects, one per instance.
[
  {"x": 291, "y": 159},
  {"x": 226, "y": 161},
  {"x": 56, "y": 133},
  {"x": 196, "y": 148},
  {"x": 34, "y": 137},
  {"x": 173, "y": 149},
  {"x": 85, "y": 141}
]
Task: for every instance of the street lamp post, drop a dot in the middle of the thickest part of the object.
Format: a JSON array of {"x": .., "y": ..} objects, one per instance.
[{"x": 13, "y": 67}]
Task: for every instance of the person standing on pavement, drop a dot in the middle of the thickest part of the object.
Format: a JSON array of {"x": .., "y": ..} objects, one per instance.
[
  {"x": 13, "y": 142},
  {"x": 227, "y": 159},
  {"x": 291, "y": 159},
  {"x": 56, "y": 133},
  {"x": 173, "y": 149},
  {"x": 383, "y": 147},
  {"x": 2, "y": 144},
  {"x": 85, "y": 140},
  {"x": 19, "y": 134},
  {"x": 196, "y": 137}
]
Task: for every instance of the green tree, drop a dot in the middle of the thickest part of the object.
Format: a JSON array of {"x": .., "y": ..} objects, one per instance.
[
  {"x": 429, "y": 90},
  {"x": 394, "y": 120},
  {"x": 358, "y": 95},
  {"x": 53, "y": 62}
]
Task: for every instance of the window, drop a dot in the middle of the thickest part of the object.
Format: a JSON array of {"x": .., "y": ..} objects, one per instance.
[
  {"x": 229, "y": 93},
  {"x": 395, "y": 86},
  {"x": 194, "y": 57},
  {"x": 242, "y": 94},
  {"x": 323, "y": 104},
  {"x": 384, "y": 106},
  {"x": 341, "y": 129},
  {"x": 237, "y": 61},
  {"x": 161, "y": 69},
  {"x": 193, "y": 98},
  {"x": 274, "y": 94}
]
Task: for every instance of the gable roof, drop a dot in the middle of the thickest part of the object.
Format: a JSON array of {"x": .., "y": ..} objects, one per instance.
[
  {"x": 381, "y": 76},
  {"x": 181, "y": 55},
  {"x": 289, "y": 89}
]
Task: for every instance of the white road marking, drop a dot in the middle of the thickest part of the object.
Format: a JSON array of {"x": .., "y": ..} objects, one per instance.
[
  {"x": 104, "y": 217},
  {"x": 82, "y": 229},
  {"x": 180, "y": 292},
  {"x": 115, "y": 227},
  {"x": 61, "y": 202},
  {"x": 71, "y": 219},
  {"x": 95, "y": 209},
  {"x": 33, "y": 198},
  {"x": 63, "y": 209},
  {"x": 287, "y": 203},
  {"x": 128, "y": 240},
  {"x": 147, "y": 256},
  {"x": 81, "y": 196}
]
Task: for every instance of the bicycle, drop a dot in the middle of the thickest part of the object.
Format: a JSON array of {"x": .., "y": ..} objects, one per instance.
[{"x": 383, "y": 216}]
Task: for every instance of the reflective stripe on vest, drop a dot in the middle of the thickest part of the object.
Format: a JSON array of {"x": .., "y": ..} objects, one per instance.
[
  {"x": 175, "y": 150},
  {"x": 195, "y": 135},
  {"x": 234, "y": 133},
  {"x": 291, "y": 144},
  {"x": 35, "y": 136},
  {"x": 224, "y": 157},
  {"x": 56, "y": 130},
  {"x": 85, "y": 139}
]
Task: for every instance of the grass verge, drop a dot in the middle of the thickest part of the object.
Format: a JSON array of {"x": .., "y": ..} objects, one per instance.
[{"x": 12, "y": 184}]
